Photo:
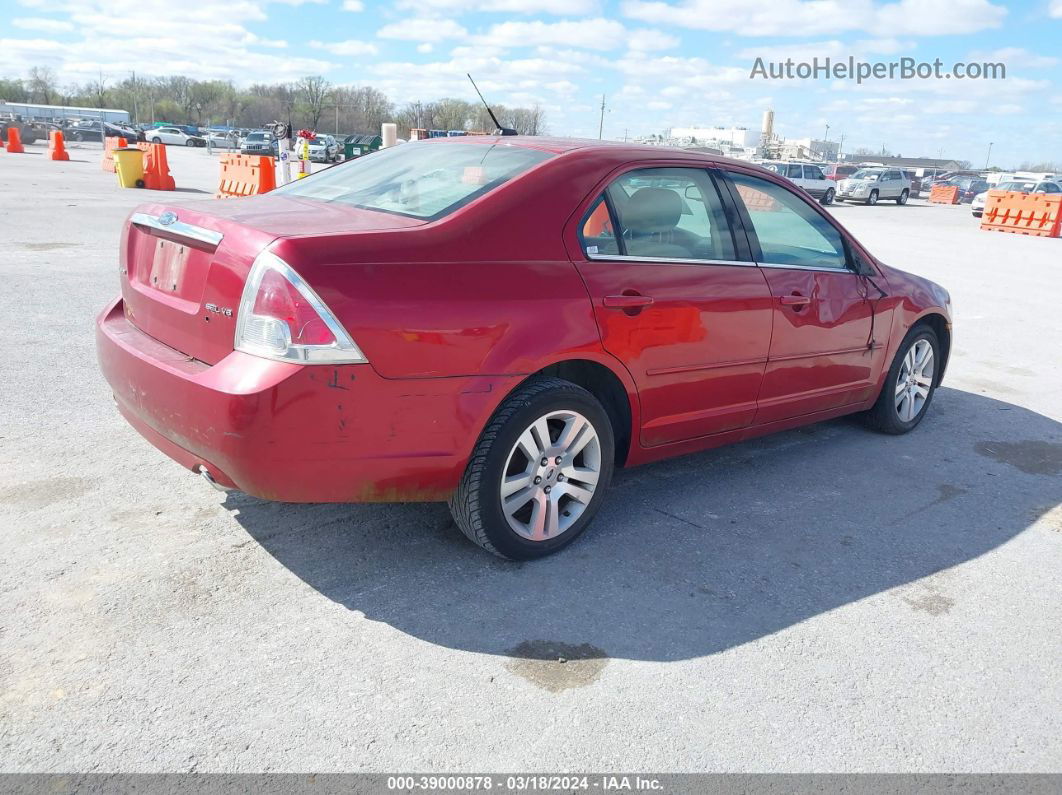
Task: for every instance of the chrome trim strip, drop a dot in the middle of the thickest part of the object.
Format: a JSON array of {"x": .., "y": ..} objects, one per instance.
[
  {"x": 677, "y": 261},
  {"x": 178, "y": 229},
  {"x": 805, "y": 268}
]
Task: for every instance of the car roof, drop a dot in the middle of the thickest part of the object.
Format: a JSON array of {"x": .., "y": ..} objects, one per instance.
[{"x": 620, "y": 150}]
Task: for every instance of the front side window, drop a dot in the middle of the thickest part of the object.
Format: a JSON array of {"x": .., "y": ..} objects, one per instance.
[
  {"x": 813, "y": 172},
  {"x": 789, "y": 231},
  {"x": 668, "y": 213},
  {"x": 425, "y": 181}
]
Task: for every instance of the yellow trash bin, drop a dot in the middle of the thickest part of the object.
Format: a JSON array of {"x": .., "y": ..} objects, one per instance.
[{"x": 129, "y": 166}]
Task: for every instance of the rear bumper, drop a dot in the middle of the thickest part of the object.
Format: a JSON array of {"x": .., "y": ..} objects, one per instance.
[{"x": 295, "y": 433}]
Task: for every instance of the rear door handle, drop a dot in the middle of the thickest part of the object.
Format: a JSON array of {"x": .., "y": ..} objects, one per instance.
[
  {"x": 795, "y": 300},
  {"x": 626, "y": 301}
]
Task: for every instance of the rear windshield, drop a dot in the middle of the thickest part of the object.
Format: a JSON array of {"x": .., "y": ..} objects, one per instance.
[{"x": 424, "y": 181}]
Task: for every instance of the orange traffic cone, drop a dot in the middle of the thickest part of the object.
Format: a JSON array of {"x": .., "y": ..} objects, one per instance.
[
  {"x": 14, "y": 140},
  {"x": 157, "y": 169},
  {"x": 56, "y": 146}
]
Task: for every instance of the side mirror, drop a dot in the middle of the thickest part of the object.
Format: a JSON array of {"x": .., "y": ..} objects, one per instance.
[{"x": 693, "y": 192}]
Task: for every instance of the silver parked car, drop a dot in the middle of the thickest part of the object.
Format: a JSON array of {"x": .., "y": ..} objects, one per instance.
[
  {"x": 324, "y": 149},
  {"x": 871, "y": 185}
]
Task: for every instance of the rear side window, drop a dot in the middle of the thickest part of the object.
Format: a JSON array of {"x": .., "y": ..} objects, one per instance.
[
  {"x": 789, "y": 231},
  {"x": 660, "y": 213},
  {"x": 426, "y": 181}
]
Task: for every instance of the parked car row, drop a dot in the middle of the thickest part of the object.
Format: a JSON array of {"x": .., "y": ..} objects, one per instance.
[{"x": 977, "y": 204}]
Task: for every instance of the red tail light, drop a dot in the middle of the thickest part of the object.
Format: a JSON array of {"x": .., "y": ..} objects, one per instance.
[
  {"x": 281, "y": 317},
  {"x": 278, "y": 298}
]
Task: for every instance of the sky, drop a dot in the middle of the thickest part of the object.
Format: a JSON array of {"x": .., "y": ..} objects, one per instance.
[{"x": 659, "y": 63}]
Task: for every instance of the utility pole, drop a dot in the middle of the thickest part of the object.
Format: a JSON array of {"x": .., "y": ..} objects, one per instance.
[
  {"x": 840, "y": 147},
  {"x": 989, "y": 157},
  {"x": 601, "y": 124},
  {"x": 136, "y": 113}
]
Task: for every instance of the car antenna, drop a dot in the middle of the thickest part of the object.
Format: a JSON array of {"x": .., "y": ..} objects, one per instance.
[{"x": 499, "y": 130}]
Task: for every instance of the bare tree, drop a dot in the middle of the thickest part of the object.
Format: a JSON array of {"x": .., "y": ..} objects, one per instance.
[
  {"x": 315, "y": 93},
  {"x": 42, "y": 85},
  {"x": 528, "y": 121}
]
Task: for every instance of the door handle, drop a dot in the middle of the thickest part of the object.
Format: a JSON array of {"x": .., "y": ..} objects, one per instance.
[
  {"x": 795, "y": 300},
  {"x": 626, "y": 301}
]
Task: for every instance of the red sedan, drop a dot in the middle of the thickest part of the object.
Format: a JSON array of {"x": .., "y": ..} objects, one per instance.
[{"x": 499, "y": 322}]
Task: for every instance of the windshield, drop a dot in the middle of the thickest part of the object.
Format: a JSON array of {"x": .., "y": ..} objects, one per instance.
[
  {"x": 256, "y": 137},
  {"x": 419, "y": 180},
  {"x": 1025, "y": 187},
  {"x": 867, "y": 174}
]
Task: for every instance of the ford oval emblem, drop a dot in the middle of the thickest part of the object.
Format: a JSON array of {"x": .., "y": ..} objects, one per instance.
[{"x": 168, "y": 218}]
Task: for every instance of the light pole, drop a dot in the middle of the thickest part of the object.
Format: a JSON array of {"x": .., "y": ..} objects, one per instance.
[{"x": 989, "y": 157}]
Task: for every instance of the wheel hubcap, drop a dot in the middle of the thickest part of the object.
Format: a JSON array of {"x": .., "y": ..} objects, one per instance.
[
  {"x": 551, "y": 475},
  {"x": 914, "y": 381}
]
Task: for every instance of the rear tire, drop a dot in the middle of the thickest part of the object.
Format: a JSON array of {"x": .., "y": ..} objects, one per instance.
[
  {"x": 514, "y": 506},
  {"x": 909, "y": 385}
]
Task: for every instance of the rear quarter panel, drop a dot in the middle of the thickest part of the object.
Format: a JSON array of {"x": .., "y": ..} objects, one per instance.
[{"x": 488, "y": 289}]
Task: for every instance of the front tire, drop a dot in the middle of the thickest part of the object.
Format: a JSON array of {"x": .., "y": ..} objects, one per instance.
[
  {"x": 902, "y": 198},
  {"x": 872, "y": 199},
  {"x": 539, "y": 472},
  {"x": 156, "y": 140},
  {"x": 909, "y": 385},
  {"x": 827, "y": 198}
]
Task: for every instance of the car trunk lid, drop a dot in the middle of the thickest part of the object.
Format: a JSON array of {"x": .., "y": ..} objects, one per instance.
[{"x": 184, "y": 268}]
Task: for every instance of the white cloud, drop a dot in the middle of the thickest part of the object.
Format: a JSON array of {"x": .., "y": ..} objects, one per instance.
[
  {"x": 350, "y": 47},
  {"x": 646, "y": 39},
  {"x": 298, "y": 2},
  {"x": 203, "y": 40},
  {"x": 1056, "y": 9},
  {"x": 502, "y": 80},
  {"x": 42, "y": 25},
  {"x": 805, "y": 52},
  {"x": 353, "y": 5},
  {"x": 595, "y": 34},
  {"x": 557, "y": 7},
  {"x": 938, "y": 17},
  {"x": 1014, "y": 56},
  {"x": 423, "y": 30},
  {"x": 815, "y": 17}
]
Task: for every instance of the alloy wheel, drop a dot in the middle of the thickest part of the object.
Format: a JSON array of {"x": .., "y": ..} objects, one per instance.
[
  {"x": 550, "y": 475},
  {"x": 914, "y": 381}
]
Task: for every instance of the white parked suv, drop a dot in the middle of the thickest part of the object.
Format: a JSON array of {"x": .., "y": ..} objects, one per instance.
[
  {"x": 808, "y": 176},
  {"x": 871, "y": 185}
]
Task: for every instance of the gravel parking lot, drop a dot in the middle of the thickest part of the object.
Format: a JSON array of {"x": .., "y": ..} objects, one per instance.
[{"x": 826, "y": 599}]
